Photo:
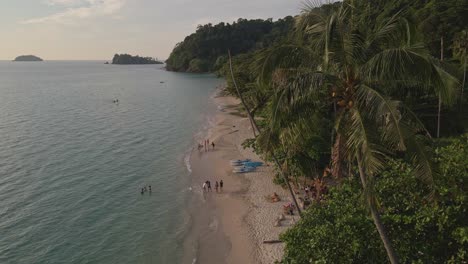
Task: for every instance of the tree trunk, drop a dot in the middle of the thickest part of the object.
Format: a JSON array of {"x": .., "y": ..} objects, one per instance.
[
  {"x": 255, "y": 127},
  {"x": 440, "y": 99},
  {"x": 463, "y": 83},
  {"x": 376, "y": 217},
  {"x": 285, "y": 178},
  {"x": 438, "y": 116}
]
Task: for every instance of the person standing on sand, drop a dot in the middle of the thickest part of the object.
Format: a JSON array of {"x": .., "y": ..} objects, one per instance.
[
  {"x": 221, "y": 185},
  {"x": 208, "y": 183},
  {"x": 216, "y": 186},
  {"x": 212, "y": 144},
  {"x": 204, "y": 186}
]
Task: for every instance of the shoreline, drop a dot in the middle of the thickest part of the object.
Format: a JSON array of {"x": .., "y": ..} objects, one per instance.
[{"x": 230, "y": 226}]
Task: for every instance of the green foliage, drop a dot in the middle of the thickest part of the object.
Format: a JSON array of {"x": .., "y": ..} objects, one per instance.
[
  {"x": 434, "y": 18},
  {"x": 198, "y": 65},
  {"x": 422, "y": 228},
  {"x": 210, "y": 43},
  {"x": 336, "y": 231},
  {"x": 251, "y": 143},
  {"x": 129, "y": 59}
]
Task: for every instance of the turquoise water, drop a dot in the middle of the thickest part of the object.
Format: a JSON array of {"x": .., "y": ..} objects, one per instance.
[{"x": 72, "y": 162}]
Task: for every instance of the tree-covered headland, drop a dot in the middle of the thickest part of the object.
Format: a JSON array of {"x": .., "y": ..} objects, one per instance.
[
  {"x": 206, "y": 49},
  {"x": 27, "y": 58},
  {"x": 129, "y": 59},
  {"x": 369, "y": 99}
]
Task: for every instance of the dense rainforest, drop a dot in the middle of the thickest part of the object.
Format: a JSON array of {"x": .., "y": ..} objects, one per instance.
[
  {"x": 365, "y": 103},
  {"x": 206, "y": 49}
]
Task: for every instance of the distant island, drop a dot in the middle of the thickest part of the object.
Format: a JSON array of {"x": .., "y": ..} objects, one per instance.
[
  {"x": 28, "y": 58},
  {"x": 129, "y": 59}
]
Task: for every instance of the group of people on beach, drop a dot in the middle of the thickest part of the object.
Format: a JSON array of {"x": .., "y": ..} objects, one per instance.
[
  {"x": 144, "y": 189},
  {"x": 206, "y": 145},
  {"x": 316, "y": 190},
  {"x": 218, "y": 186}
]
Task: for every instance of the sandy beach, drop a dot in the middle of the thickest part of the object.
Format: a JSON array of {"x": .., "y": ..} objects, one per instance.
[{"x": 230, "y": 226}]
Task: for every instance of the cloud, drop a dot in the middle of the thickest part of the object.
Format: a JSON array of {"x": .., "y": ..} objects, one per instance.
[
  {"x": 63, "y": 2},
  {"x": 85, "y": 9}
]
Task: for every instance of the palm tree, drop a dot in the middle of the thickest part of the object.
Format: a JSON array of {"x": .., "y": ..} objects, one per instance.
[
  {"x": 358, "y": 71},
  {"x": 255, "y": 127}
]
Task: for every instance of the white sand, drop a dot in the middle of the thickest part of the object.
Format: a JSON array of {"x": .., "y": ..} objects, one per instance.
[{"x": 247, "y": 217}]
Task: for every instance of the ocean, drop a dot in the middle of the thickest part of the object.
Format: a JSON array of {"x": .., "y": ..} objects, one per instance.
[{"x": 73, "y": 161}]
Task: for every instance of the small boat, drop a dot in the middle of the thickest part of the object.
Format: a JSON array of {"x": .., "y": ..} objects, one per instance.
[
  {"x": 253, "y": 164},
  {"x": 244, "y": 169},
  {"x": 238, "y": 162}
]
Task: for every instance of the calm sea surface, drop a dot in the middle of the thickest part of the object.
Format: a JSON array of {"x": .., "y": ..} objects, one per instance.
[{"x": 72, "y": 162}]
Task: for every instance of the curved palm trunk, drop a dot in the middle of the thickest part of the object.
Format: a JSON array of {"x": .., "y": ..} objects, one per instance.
[
  {"x": 255, "y": 127},
  {"x": 463, "y": 84},
  {"x": 438, "y": 116},
  {"x": 440, "y": 99},
  {"x": 376, "y": 218}
]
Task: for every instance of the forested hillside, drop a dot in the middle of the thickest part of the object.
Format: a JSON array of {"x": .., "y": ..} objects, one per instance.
[
  {"x": 435, "y": 19},
  {"x": 206, "y": 49}
]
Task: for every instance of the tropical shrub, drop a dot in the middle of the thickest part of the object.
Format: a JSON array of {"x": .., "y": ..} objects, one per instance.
[{"x": 426, "y": 223}]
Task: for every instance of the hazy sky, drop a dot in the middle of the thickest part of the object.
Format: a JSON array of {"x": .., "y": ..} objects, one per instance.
[{"x": 97, "y": 29}]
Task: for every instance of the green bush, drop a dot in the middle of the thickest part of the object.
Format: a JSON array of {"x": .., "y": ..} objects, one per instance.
[
  {"x": 336, "y": 231},
  {"x": 427, "y": 224}
]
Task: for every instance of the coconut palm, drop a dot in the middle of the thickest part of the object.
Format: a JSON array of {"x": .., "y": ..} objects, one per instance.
[
  {"x": 357, "y": 74},
  {"x": 255, "y": 128}
]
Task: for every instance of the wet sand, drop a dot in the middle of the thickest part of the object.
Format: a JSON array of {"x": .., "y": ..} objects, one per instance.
[{"x": 230, "y": 226}]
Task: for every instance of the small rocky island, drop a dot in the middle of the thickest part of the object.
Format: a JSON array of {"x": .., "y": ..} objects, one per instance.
[
  {"x": 129, "y": 59},
  {"x": 27, "y": 58}
]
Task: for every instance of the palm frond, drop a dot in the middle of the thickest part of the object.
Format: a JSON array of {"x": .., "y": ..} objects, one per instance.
[
  {"x": 284, "y": 56},
  {"x": 419, "y": 154},
  {"x": 385, "y": 113},
  {"x": 410, "y": 66},
  {"x": 362, "y": 140}
]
